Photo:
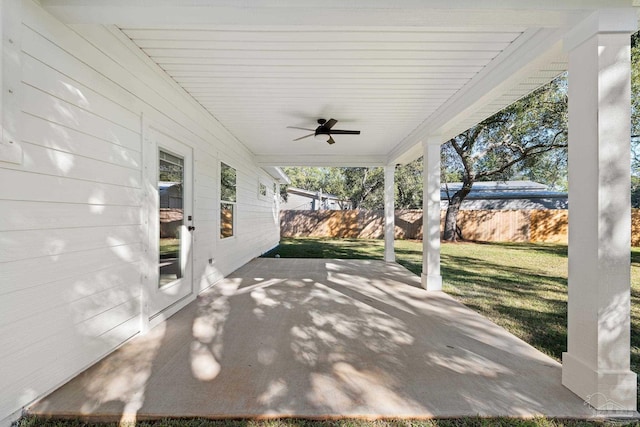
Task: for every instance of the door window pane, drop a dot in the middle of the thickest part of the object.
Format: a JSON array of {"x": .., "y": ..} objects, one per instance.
[
  {"x": 226, "y": 220},
  {"x": 227, "y": 183},
  {"x": 170, "y": 192},
  {"x": 227, "y": 200}
]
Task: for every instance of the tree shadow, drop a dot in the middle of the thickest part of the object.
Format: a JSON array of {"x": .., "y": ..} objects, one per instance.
[
  {"x": 343, "y": 337},
  {"x": 330, "y": 338}
]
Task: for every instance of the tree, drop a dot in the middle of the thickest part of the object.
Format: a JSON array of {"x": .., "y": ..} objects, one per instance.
[
  {"x": 408, "y": 179},
  {"x": 514, "y": 140},
  {"x": 327, "y": 180},
  {"x": 635, "y": 120},
  {"x": 365, "y": 187}
]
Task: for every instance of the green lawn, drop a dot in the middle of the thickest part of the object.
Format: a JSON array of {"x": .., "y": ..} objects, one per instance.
[
  {"x": 169, "y": 246},
  {"x": 522, "y": 287}
]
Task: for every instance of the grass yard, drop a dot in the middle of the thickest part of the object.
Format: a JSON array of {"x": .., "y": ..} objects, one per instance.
[
  {"x": 521, "y": 287},
  {"x": 169, "y": 246}
]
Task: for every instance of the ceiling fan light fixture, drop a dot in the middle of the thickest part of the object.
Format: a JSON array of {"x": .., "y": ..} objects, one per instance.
[{"x": 321, "y": 137}]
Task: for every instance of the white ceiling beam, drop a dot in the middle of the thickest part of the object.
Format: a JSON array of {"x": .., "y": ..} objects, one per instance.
[
  {"x": 322, "y": 46},
  {"x": 146, "y": 37},
  {"x": 300, "y": 54},
  {"x": 277, "y": 174},
  {"x": 340, "y": 13},
  {"x": 364, "y": 4},
  {"x": 609, "y": 21},
  {"x": 319, "y": 160}
]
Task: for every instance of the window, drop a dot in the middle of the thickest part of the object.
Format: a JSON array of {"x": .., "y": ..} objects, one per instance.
[
  {"x": 171, "y": 217},
  {"x": 227, "y": 200},
  {"x": 262, "y": 189}
]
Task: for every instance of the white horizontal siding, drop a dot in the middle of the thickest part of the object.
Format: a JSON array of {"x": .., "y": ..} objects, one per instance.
[
  {"x": 60, "y": 356},
  {"x": 38, "y": 132},
  {"x": 25, "y": 215},
  {"x": 23, "y": 274},
  {"x": 28, "y": 301},
  {"x": 38, "y": 187},
  {"x": 56, "y": 110},
  {"x": 23, "y": 245},
  {"x": 46, "y": 161},
  {"x": 82, "y": 314},
  {"x": 72, "y": 233}
]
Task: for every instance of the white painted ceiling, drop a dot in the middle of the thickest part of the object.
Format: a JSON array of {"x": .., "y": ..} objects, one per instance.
[
  {"x": 383, "y": 82},
  {"x": 398, "y": 71}
]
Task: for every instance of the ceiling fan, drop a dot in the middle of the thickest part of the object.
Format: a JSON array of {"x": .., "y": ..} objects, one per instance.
[{"x": 325, "y": 130}]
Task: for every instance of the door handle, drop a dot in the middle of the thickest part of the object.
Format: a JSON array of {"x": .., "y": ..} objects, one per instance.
[{"x": 191, "y": 228}]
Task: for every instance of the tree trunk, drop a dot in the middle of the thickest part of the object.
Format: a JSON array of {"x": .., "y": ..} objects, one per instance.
[{"x": 451, "y": 219}]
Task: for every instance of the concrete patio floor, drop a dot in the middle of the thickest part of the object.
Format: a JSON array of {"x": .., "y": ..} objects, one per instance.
[{"x": 320, "y": 338}]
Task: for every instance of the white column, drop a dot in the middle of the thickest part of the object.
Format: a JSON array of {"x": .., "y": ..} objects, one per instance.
[
  {"x": 389, "y": 213},
  {"x": 431, "y": 279},
  {"x": 596, "y": 365}
]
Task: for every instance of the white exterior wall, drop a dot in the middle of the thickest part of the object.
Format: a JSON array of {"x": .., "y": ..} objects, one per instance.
[{"x": 72, "y": 234}]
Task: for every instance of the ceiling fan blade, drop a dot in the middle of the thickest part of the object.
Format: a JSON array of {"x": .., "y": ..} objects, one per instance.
[
  {"x": 330, "y": 123},
  {"x": 330, "y": 140},
  {"x": 295, "y": 127},
  {"x": 345, "y": 132},
  {"x": 303, "y": 137}
]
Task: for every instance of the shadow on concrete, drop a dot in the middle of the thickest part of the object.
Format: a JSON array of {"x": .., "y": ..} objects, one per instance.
[{"x": 321, "y": 338}]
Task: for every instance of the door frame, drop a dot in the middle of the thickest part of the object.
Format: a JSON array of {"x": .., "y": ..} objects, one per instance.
[{"x": 153, "y": 309}]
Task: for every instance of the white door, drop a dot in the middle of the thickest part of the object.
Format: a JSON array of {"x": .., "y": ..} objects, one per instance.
[{"x": 172, "y": 224}]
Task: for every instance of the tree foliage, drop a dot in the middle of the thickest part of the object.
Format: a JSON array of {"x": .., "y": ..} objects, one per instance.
[
  {"x": 519, "y": 140},
  {"x": 363, "y": 187},
  {"x": 635, "y": 120},
  {"x": 635, "y": 95},
  {"x": 327, "y": 180},
  {"x": 408, "y": 181}
]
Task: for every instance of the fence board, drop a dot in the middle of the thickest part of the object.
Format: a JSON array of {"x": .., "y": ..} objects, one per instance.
[{"x": 537, "y": 226}]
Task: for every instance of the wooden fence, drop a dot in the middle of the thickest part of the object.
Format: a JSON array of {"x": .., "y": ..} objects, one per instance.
[{"x": 540, "y": 226}]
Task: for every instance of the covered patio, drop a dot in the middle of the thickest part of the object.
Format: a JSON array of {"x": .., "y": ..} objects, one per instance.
[
  {"x": 102, "y": 97},
  {"x": 320, "y": 339}
]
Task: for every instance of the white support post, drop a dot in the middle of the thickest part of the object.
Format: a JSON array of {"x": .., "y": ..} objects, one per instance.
[
  {"x": 596, "y": 365},
  {"x": 389, "y": 213},
  {"x": 431, "y": 279}
]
